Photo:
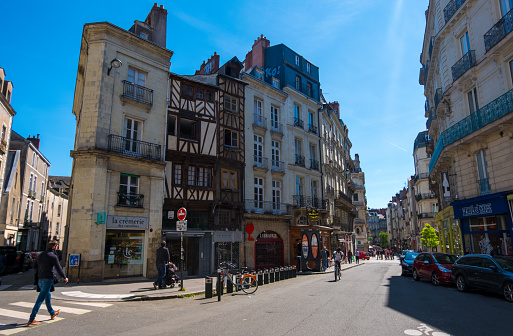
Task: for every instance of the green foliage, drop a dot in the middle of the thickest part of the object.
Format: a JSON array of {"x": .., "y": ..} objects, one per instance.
[
  {"x": 383, "y": 237},
  {"x": 428, "y": 236}
]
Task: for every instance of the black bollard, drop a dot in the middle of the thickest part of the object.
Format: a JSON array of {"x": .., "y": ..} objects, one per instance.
[
  {"x": 219, "y": 286},
  {"x": 294, "y": 271},
  {"x": 287, "y": 275},
  {"x": 260, "y": 278},
  {"x": 271, "y": 275},
  {"x": 266, "y": 276},
  {"x": 277, "y": 274},
  {"x": 208, "y": 288},
  {"x": 282, "y": 273},
  {"x": 229, "y": 286}
]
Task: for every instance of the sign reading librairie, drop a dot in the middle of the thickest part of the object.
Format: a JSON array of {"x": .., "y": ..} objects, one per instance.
[{"x": 127, "y": 223}]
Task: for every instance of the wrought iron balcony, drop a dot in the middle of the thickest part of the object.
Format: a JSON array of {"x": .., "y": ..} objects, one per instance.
[
  {"x": 276, "y": 127},
  {"x": 137, "y": 93},
  {"x": 484, "y": 187},
  {"x": 264, "y": 207},
  {"x": 260, "y": 162},
  {"x": 489, "y": 113},
  {"x": 278, "y": 166},
  {"x": 330, "y": 191},
  {"x": 300, "y": 160},
  {"x": 300, "y": 201},
  {"x": 463, "y": 65},
  {"x": 451, "y": 8},
  {"x": 130, "y": 200},
  {"x": 299, "y": 123},
  {"x": 426, "y": 215},
  {"x": 134, "y": 148},
  {"x": 499, "y": 31},
  {"x": 343, "y": 197},
  {"x": 260, "y": 121},
  {"x": 427, "y": 196},
  {"x": 312, "y": 128},
  {"x": 314, "y": 164}
]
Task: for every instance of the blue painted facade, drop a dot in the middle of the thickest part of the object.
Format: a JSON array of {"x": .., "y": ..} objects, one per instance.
[{"x": 281, "y": 63}]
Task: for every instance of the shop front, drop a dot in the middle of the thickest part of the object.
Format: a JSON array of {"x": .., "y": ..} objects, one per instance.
[
  {"x": 269, "y": 252},
  {"x": 449, "y": 232},
  {"x": 486, "y": 224}
]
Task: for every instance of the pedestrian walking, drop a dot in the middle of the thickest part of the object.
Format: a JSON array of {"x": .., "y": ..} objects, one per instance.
[
  {"x": 21, "y": 262},
  {"x": 357, "y": 257},
  {"x": 324, "y": 257},
  {"x": 162, "y": 260},
  {"x": 46, "y": 264},
  {"x": 349, "y": 256}
]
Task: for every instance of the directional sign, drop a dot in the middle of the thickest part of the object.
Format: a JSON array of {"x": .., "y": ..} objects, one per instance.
[
  {"x": 181, "y": 225},
  {"x": 182, "y": 213},
  {"x": 74, "y": 259}
]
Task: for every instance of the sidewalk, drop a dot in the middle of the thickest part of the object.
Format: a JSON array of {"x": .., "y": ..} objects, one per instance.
[{"x": 132, "y": 289}]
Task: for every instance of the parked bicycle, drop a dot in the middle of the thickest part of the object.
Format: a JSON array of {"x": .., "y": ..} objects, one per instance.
[{"x": 247, "y": 282}]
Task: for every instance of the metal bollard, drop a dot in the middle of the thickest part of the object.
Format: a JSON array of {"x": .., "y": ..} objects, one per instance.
[
  {"x": 282, "y": 273},
  {"x": 266, "y": 276},
  {"x": 271, "y": 275},
  {"x": 260, "y": 278},
  {"x": 290, "y": 272},
  {"x": 294, "y": 271},
  {"x": 219, "y": 287},
  {"x": 229, "y": 287},
  {"x": 208, "y": 288},
  {"x": 277, "y": 274},
  {"x": 238, "y": 276},
  {"x": 287, "y": 274}
]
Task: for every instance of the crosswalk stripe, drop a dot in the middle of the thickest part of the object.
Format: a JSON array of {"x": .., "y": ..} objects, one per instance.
[
  {"x": 63, "y": 309},
  {"x": 25, "y": 316},
  {"x": 11, "y": 331},
  {"x": 95, "y": 296},
  {"x": 92, "y": 304}
]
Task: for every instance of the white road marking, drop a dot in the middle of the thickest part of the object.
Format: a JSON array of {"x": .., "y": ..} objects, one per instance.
[
  {"x": 63, "y": 309},
  {"x": 26, "y": 316},
  {"x": 92, "y": 304},
  {"x": 95, "y": 296},
  {"x": 10, "y": 331}
]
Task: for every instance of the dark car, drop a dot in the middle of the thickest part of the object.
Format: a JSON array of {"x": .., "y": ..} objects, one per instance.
[
  {"x": 403, "y": 254},
  {"x": 482, "y": 271},
  {"x": 434, "y": 266},
  {"x": 407, "y": 263},
  {"x": 10, "y": 258}
]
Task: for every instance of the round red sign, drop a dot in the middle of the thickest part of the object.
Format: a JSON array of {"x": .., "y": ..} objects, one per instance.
[{"x": 182, "y": 213}]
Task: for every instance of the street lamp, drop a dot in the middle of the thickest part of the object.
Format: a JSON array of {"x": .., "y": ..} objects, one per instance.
[{"x": 115, "y": 63}]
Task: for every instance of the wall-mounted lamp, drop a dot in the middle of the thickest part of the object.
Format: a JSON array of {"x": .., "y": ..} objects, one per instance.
[{"x": 115, "y": 63}]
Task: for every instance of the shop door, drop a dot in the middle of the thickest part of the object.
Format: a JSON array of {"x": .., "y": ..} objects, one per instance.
[{"x": 268, "y": 250}]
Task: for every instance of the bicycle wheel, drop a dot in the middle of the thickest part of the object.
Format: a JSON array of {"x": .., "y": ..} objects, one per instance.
[
  {"x": 249, "y": 284},
  {"x": 336, "y": 273}
]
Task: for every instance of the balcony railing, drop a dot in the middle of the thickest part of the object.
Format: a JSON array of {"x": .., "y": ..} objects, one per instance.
[
  {"x": 309, "y": 202},
  {"x": 484, "y": 187},
  {"x": 426, "y": 215},
  {"x": 489, "y": 113},
  {"x": 330, "y": 191},
  {"x": 463, "y": 65},
  {"x": 264, "y": 207},
  {"x": 432, "y": 116},
  {"x": 135, "y": 148},
  {"x": 312, "y": 129},
  {"x": 276, "y": 127},
  {"x": 499, "y": 31},
  {"x": 130, "y": 200},
  {"x": 260, "y": 162},
  {"x": 358, "y": 203},
  {"x": 344, "y": 197},
  {"x": 451, "y": 8},
  {"x": 307, "y": 90},
  {"x": 314, "y": 164},
  {"x": 427, "y": 196},
  {"x": 260, "y": 121},
  {"x": 299, "y": 123},
  {"x": 438, "y": 97},
  {"x": 359, "y": 186},
  {"x": 300, "y": 160},
  {"x": 138, "y": 93},
  {"x": 278, "y": 166}
]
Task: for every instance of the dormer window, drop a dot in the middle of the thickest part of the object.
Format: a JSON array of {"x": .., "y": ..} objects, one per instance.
[
  {"x": 308, "y": 67},
  {"x": 144, "y": 36},
  {"x": 297, "y": 60}
]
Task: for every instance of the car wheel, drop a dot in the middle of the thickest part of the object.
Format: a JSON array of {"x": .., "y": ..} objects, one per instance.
[
  {"x": 461, "y": 284},
  {"x": 508, "y": 291},
  {"x": 415, "y": 275},
  {"x": 403, "y": 272},
  {"x": 434, "y": 279}
]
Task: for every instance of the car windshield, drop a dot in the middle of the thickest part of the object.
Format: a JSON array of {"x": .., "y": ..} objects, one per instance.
[
  {"x": 506, "y": 264},
  {"x": 445, "y": 258},
  {"x": 411, "y": 256}
]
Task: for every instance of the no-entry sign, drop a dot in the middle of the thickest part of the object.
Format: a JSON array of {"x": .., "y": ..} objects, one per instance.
[{"x": 182, "y": 213}]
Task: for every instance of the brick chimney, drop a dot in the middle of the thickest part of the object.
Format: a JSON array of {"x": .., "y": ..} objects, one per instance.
[
  {"x": 336, "y": 108},
  {"x": 256, "y": 57},
  {"x": 35, "y": 141},
  {"x": 209, "y": 67},
  {"x": 157, "y": 19}
]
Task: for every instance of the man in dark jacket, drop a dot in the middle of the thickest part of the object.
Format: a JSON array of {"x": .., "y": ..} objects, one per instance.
[
  {"x": 45, "y": 265},
  {"x": 162, "y": 260}
]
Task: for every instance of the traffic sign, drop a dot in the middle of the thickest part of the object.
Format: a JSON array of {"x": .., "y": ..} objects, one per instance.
[
  {"x": 182, "y": 213},
  {"x": 181, "y": 225}
]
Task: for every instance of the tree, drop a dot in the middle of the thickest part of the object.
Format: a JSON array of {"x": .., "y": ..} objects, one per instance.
[
  {"x": 428, "y": 236},
  {"x": 383, "y": 236}
]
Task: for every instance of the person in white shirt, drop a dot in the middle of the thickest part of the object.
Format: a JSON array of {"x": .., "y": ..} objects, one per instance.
[{"x": 338, "y": 256}]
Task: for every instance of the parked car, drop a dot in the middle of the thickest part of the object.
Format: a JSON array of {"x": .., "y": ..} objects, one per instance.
[
  {"x": 10, "y": 258},
  {"x": 434, "y": 266},
  {"x": 482, "y": 271},
  {"x": 28, "y": 262},
  {"x": 407, "y": 263},
  {"x": 403, "y": 254},
  {"x": 363, "y": 255}
]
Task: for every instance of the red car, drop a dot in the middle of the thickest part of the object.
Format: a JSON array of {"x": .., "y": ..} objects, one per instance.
[
  {"x": 363, "y": 255},
  {"x": 434, "y": 266}
]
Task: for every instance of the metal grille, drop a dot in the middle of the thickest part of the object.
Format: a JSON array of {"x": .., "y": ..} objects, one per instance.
[{"x": 227, "y": 252}]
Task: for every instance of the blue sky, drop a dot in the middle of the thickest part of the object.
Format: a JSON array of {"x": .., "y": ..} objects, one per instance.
[{"x": 367, "y": 52}]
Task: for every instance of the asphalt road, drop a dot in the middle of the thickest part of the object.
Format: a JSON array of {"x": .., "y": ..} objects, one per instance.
[{"x": 372, "y": 299}]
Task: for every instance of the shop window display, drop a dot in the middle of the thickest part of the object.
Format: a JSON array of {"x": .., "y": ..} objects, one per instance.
[{"x": 124, "y": 253}]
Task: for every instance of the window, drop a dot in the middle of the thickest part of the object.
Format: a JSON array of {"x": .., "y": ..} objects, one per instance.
[
  {"x": 187, "y": 91},
  {"x": 482, "y": 173},
  {"x": 178, "y": 174},
  {"x": 259, "y": 193},
  {"x": 128, "y": 185},
  {"x": 30, "y": 183},
  {"x": 276, "y": 83},
  {"x": 275, "y": 153},
  {"x": 309, "y": 89},
  {"x": 297, "y": 60},
  {"x": 59, "y": 210},
  {"x": 506, "y": 6},
  {"x": 188, "y": 129},
  {"x": 297, "y": 112},
  {"x": 199, "y": 177},
  {"x": 314, "y": 189},
  {"x": 171, "y": 125},
  {"x": 308, "y": 67},
  {"x": 230, "y": 103},
  {"x": 228, "y": 179},
  {"x": 42, "y": 190},
  {"x": 132, "y": 134},
  {"x": 199, "y": 94},
  {"x": 230, "y": 138},
  {"x": 13, "y": 206},
  {"x": 465, "y": 44},
  {"x": 511, "y": 70},
  {"x": 298, "y": 83},
  {"x": 56, "y": 228},
  {"x": 4, "y": 130},
  {"x": 313, "y": 150},
  {"x": 33, "y": 159},
  {"x": 310, "y": 119},
  {"x": 355, "y": 197},
  {"x": 276, "y": 196},
  {"x": 298, "y": 146},
  {"x": 208, "y": 96},
  {"x": 472, "y": 100},
  {"x": 299, "y": 186},
  {"x": 191, "y": 176},
  {"x": 258, "y": 109},
  {"x": 258, "y": 150},
  {"x": 275, "y": 117},
  {"x": 142, "y": 35},
  {"x": 136, "y": 77}
]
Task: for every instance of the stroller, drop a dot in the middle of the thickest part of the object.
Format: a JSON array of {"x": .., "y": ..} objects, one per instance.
[{"x": 171, "y": 277}]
